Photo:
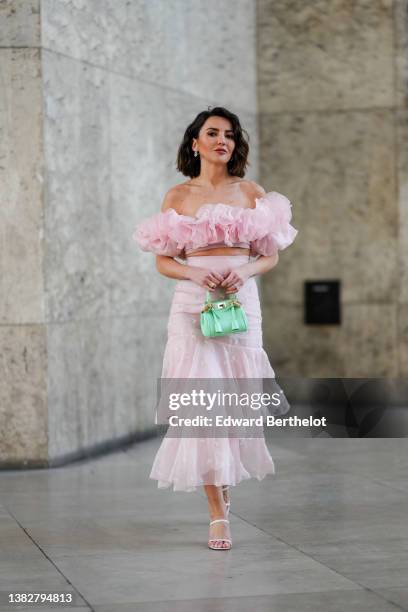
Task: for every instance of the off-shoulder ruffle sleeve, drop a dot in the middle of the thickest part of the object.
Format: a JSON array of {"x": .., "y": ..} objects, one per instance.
[
  {"x": 273, "y": 229},
  {"x": 266, "y": 228},
  {"x": 158, "y": 234}
]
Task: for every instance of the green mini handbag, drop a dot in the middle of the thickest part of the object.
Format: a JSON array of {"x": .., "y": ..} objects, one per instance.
[{"x": 222, "y": 317}]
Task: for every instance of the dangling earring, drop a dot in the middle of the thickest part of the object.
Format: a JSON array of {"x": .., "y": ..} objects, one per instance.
[{"x": 195, "y": 153}]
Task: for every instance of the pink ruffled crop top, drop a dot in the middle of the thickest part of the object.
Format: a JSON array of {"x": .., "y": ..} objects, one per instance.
[{"x": 264, "y": 229}]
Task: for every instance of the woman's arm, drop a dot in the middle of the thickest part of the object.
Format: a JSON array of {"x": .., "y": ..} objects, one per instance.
[
  {"x": 207, "y": 278},
  {"x": 239, "y": 275},
  {"x": 261, "y": 265},
  {"x": 173, "y": 269},
  {"x": 168, "y": 266}
]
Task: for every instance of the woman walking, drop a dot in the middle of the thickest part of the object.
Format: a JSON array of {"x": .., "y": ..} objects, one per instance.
[{"x": 215, "y": 221}]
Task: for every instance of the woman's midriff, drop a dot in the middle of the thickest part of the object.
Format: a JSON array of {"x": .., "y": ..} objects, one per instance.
[{"x": 222, "y": 251}]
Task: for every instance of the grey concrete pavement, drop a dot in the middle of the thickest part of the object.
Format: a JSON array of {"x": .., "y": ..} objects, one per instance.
[{"x": 328, "y": 532}]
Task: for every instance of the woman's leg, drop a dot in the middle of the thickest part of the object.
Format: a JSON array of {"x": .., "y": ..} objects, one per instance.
[
  {"x": 226, "y": 493},
  {"x": 217, "y": 509}
]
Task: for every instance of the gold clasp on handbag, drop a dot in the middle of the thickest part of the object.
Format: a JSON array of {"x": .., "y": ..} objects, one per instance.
[{"x": 207, "y": 306}]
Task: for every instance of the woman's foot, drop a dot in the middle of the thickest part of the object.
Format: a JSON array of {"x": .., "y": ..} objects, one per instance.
[
  {"x": 219, "y": 524},
  {"x": 220, "y": 534}
]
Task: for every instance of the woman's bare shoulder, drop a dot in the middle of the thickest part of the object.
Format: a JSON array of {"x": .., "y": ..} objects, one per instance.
[
  {"x": 173, "y": 198},
  {"x": 252, "y": 190}
]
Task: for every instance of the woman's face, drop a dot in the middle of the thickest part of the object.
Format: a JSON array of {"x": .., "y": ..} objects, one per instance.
[{"x": 216, "y": 133}]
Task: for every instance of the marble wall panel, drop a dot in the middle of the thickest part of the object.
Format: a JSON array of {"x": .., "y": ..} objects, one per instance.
[
  {"x": 20, "y": 23},
  {"x": 138, "y": 345},
  {"x": 102, "y": 380},
  {"x": 338, "y": 169},
  {"x": 402, "y": 135},
  {"x": 402, "y": 340},
  {"x": 402, "y": 197},
  {"x": 194, "y": 47},
  {"x": 23, "y": 395},
  {"x": 401, "y": 52},
  {"x": 365, "y": 345},
  {"x": 77, "y": 189},
  {"x": 143, "y": 145},
  {"x": 21, "y": 167},
  {"x": 331, "y": 54}
]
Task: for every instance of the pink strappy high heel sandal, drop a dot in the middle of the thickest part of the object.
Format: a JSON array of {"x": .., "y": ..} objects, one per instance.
[{"x": 212, "y": 540}]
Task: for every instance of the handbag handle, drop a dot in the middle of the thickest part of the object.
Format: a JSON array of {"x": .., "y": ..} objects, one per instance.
[{"x": 208, "y": 296}]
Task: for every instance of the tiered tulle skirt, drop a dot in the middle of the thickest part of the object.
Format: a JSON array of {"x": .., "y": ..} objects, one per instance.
[{"x": 187, "y": 463}]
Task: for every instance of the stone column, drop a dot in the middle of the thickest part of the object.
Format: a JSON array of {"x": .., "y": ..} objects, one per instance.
[
  {"x": 23, "y": 329},
  {"x": 95, "y": 97},
  {"x": 332, "y": 87}
]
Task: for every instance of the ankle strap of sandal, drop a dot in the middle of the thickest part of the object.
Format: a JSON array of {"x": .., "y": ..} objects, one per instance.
[{"x": 219, "y": 521}]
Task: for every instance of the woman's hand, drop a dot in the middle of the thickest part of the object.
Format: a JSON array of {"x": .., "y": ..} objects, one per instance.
[
  {"x": 235, "y": 279},
  {"x": 209, "y": 279}
]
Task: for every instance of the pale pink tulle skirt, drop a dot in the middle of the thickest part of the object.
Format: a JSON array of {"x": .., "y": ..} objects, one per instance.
[{"x": 186, "y": 463}]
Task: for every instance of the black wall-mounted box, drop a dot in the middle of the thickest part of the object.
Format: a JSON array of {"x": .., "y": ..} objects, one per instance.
[{"x": 322, "y": 302}]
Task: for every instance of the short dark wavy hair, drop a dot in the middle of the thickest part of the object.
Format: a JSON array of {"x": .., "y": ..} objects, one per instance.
[{"x": 190, "y": 165}]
